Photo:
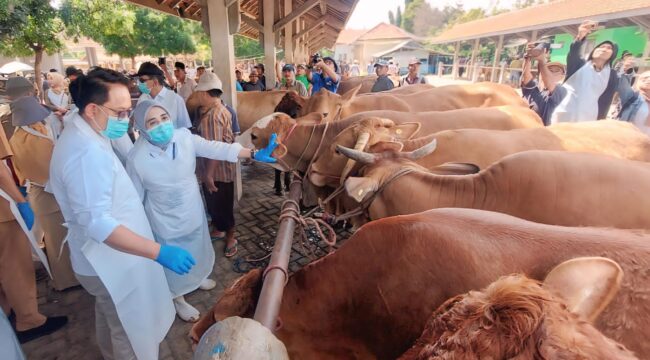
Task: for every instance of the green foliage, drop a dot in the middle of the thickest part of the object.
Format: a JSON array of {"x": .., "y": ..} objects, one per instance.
[
  {"x": 398, "y": 17},
  {"x": 391, "y": 17},
  {"x": 247, "y": 48},
  {"x": 34, "y": 28}
]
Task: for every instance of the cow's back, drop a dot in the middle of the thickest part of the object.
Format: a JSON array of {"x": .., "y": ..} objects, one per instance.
[
  {"x": 254, "y": 105},
  {"x": 411, "y": 264}
]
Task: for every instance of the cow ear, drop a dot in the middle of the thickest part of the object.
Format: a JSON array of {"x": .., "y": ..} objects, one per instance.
[
  {"x": 587, "y": 284},
  {"x": 452, "y": 168},
  {"x": 360, "y": 187},
  {"x": 381, "y": 146},
  {"x": 405, "y": 131},
  {"x": 351, "y": 93}
]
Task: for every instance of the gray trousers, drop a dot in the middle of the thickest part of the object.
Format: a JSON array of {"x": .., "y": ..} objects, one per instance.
[{"x": 111, "y": 337}]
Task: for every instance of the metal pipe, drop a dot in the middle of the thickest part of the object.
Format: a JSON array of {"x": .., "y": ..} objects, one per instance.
[{"x": 270, "y": 300}]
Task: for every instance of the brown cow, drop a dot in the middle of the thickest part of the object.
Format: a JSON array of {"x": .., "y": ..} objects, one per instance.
[
  {"x": 251, "y": 105},
  {"x": 483, "y": 147},
  {"x": 299, "y": 146},
  {"x": 443, "y": 98},
  {"x": 351, "y": 83},
  {"x": 372, "y": 297},
  {"x": 513, "y": 318},
  {"x": 550, "y": 187}
]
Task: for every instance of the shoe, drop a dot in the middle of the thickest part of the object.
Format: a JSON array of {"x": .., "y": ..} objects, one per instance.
[
  {"x": 207, "y": 284},
  {"x": 231, "y": 251},
  {"x": 185, "y": 311},
  {"x": 279, "y": 192},
  {"x": 217, "y": 235},
  {"x": 52, "y": 324}
]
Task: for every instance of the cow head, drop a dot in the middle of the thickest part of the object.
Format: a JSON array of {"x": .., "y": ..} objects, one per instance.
[
  {"x": 292, "y": 104},
  {"x": 259, "y": 134},
  {"x": 327, "y": 102},
  {"x": 372, "y": 134},
  {"x": 519, "y": 318},
  {"x": 382, "y": 166}
]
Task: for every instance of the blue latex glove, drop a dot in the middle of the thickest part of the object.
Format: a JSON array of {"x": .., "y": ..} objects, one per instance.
[
  {"x": 264, "y": 155},
  {"x": 175, "y": 259},
  {"x": 27, "y": 214},
  {"x": 23, "y": 190}
]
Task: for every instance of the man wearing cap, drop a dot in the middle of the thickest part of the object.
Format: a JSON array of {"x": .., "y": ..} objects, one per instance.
[
  {"x": 383, "y": 83},
  {"x": 184, "y": 85},
  {"x": 32, "y": 144},
  {"x": 214, "y": 123},
  {"x": 289, "y": 81},
  {"x": 151, "y": 82},
  {"x": 71, "y": 73},
  {"x": 413, "y": 76},
  {"x": 543, "y": 98},
  {"x": 325, "y": 75}
]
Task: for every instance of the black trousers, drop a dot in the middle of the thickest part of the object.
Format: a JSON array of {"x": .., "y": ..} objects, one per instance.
[{"x": 221, "y": 205}]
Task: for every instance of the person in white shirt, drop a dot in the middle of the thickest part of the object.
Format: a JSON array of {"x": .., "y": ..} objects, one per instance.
[
  {"x": 112, "y": 248},
  {"x": 152, "y": 86},
  {"x": 183, "y": 84}
]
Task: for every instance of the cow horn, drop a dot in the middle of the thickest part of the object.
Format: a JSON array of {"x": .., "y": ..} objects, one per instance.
[
  {"x": 362, "y": 141},
  {"x": 387, "y": 122},
  {"x": 421, "y": 152}
]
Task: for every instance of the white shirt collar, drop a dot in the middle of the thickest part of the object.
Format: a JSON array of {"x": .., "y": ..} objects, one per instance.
[{"x": 87, "y": 130}]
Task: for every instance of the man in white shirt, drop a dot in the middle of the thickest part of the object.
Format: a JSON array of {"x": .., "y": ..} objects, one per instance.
[
  {"x": 152, "y": 86},
  {"x": 184, "y": 85}
]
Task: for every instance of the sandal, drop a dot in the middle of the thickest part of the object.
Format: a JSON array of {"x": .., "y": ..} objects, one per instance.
[
  {"x": 217, "y": 235},
  {"x": 231, "y": 251}
]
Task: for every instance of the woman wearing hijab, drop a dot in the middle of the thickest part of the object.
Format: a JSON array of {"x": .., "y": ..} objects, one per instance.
[
  {"x": 590, "y": 83},
  {"x": 162, "y": 167}
]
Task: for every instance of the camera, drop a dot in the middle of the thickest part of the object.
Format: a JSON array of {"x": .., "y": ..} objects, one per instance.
[
  {"x": 162, "y": 60},
  {"x": 316, "y": 58},
  {"x": 540, "y": 48}
]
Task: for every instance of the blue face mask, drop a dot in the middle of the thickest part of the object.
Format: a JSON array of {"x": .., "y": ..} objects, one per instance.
[
  {"x": 162, "y": 133},
  {"x": 116, "y": 127},
  {"x": 143, "y": 88}
]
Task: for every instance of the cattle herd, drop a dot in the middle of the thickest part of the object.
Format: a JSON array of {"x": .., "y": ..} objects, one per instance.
[{"x": 479, "y": 233}]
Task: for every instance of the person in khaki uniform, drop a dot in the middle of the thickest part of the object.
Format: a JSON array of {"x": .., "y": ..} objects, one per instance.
[
  {"x": 17, "y": 279},
  {"x": 32, "y": 144}
]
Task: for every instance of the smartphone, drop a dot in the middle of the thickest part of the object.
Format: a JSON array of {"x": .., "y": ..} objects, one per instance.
[{"x": 161, "y": 60}]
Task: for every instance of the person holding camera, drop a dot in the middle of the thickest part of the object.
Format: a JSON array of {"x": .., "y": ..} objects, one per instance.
[
  {"x": 634, "y": 99},
  {"x": 324, "y": 74},
  {"x": 543, "y": 96},
  {"x": 591, "y": 83}
]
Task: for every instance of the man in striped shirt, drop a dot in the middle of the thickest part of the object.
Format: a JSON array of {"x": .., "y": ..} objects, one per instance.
[{"x": 218, "y": 177}]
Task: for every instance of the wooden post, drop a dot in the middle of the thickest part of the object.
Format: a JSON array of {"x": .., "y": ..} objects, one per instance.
[
  {"x": 454, "y": 68},
  {"x": 288, "y": 33},
  {"x": 269, "y": 43},
  {"x": 497, "y": 55},
  {"x": 470, "y": 71},
  {"x": 223, "y": 51},
  {"x": 533, "y": 36},
  {"x": 502, "y": 73}
]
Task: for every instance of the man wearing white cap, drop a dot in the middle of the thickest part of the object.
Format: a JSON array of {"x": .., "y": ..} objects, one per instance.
[{"x": 413, "y": 77}]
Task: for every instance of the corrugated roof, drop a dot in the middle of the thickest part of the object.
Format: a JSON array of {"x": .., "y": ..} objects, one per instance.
[
  {"x": 386, "y": 31},
  {"x": 348, "y": 36},
  {"x": 556, "y": 13}
]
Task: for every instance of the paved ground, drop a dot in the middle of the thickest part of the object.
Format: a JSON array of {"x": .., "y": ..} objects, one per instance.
[{"x": 256, "y": 225}]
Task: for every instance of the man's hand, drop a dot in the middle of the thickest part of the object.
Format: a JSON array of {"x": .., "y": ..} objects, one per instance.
[
  {"x": 320, "y": 64},
  {"x": 586, "y": 28},
  {"x": 209, "y": 183}
]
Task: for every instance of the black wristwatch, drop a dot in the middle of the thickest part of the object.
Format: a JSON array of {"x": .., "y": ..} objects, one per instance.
[{"x": 253, "y": 151}]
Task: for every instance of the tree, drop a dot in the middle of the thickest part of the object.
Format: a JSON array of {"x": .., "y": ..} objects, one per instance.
[
  {"x": 34, "y": 30},
  {"x": 391, "y": 17},
  {"x": 398, "y": 17},
  {"x": 410, "y": 12},
  {"x": 247, "y": 48}
]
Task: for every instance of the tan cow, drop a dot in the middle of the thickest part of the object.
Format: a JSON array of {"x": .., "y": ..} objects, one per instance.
[
  {"x": 482, "y": 147},
  {"x": 302, "y": 136},
  {"x": 371, "y": 299},
  {"x": 514, "y": 317},
  {"x": 442, "y": 98},
  {"x": 251, "y": 105},
  {"x": 550, "y": 187},
  {"x": 366, "y": 83}
]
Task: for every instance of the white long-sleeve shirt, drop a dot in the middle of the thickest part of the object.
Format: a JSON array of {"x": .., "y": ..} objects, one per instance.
[{"x": 174, "y": 103}]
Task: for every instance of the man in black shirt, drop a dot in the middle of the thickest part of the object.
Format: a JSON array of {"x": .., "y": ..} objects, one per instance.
[
  {"x": 254, "y": 83},
  {"x": 383, "y": 82}
]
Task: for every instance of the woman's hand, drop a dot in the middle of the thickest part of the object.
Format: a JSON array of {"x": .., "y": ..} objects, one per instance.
[{"x": 265, "y": 155}]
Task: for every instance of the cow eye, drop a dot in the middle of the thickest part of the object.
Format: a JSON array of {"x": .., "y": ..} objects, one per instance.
[
  {"x": 253, "y": 137},
  {"x": 336, "y": 150}
]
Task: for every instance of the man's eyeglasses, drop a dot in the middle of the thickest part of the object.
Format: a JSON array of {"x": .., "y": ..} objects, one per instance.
[
  {"x": 143, "y": 79},
  {"x": 120, "y": 113}
]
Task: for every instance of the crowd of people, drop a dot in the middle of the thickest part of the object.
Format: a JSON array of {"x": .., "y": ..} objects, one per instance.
[{"x": 109, "y": 203}]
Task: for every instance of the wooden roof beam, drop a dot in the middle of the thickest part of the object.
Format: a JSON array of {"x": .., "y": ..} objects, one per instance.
[
  {"x": 246, "y": 19},
  {"x": 339, "y": 5},
  {"x": 323, "y": 7},
  {"x": 309, "y": 28},
  {"x": 296, "y": 13}
]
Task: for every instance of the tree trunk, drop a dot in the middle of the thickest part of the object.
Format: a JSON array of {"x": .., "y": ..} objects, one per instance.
[
  {"x": 133, "y": 63},
  {"x": 38, "y": 77}
]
